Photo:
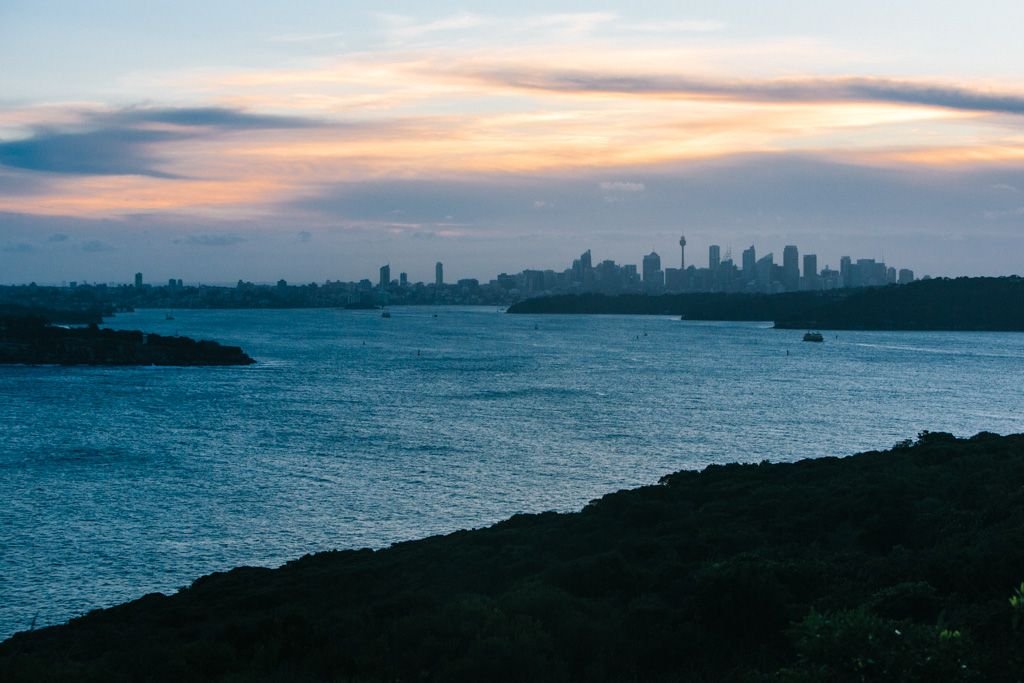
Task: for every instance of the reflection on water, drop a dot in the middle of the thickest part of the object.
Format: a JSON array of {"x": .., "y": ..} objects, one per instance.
[{"x": 353, "y": 430}]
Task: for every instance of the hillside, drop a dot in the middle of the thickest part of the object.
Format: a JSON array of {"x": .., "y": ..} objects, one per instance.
[
  {"x": 962, "y": 304},
  {"x": 895, "y": 565}
]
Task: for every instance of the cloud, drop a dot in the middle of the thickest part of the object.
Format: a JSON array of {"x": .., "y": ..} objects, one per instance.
[
  {"x": 693, "y": 26},
  {"x": 101, "y": 152},
  {"x": 123, "y": 142},
  {"x": 620, "y": 186},
  {"x": 213, "y": 240},
  {"x": 996, "y": 214},
  {"x": 96, "y": 246},
  {"x": 776, "y": 90},
  {"x": 304, "y": 236},
  {"x": 306, "y": 37},
  {"x": 17, "y": 248},
  {"x": 212, "y": 117},
  {"x": 401, "y": 27},
  {"x": 58, "y": 237}
]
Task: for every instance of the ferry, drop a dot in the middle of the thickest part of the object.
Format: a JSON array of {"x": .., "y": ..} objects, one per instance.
[{"x": 814, "y": 337}]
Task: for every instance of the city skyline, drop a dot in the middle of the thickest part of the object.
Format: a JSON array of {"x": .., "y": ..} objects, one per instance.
[
  {"x": 307, "y": 141},
  {"x": 751, "y": 273}
]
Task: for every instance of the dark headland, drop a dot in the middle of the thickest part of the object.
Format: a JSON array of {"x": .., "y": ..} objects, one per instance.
[
  {"x": 961, "y": 304},
  {"x": 32, "y": 340},
  {"x": 902, "y": 565}
]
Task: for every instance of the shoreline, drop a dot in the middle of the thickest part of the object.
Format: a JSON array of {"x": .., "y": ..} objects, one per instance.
[{"x": 878, "y": 540}]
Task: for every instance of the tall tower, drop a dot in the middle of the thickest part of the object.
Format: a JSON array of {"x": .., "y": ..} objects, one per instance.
[
  {"x": 714, "y": 256},
  {"x": 385, "y": 276},
  {"x": 439, "y": 274},
  {"x": 791, "y": 267},
  {"x": 682, "y": 252}
]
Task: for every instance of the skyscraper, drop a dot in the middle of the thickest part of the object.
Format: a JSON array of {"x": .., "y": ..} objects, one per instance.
[
  {"x": 810, "y": 266},
  {"x": 652, "y": 270},
  {"x": 791, "y": 267},
  {"x": 846, "y": 271},
  {"x": 749, "y": 261},
  {"x": 714, "y": 256},
  {"x": 439, "y": 274},
  {"x": 385, "y": 276},
  {"x": 138, "y": 280}
]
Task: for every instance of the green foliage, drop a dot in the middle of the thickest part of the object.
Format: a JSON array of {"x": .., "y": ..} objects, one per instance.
[
  {"x": 855, "y": 645},
  {"x": 939, "y": 304},
  {"x": 882, "y": 566}
]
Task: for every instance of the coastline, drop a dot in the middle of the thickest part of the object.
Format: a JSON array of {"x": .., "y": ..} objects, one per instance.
[{"x": 734, "y": 570}]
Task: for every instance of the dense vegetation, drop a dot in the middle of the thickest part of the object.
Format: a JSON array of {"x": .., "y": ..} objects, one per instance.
[
  {"x": 65, "y": 316},
  {"x": 696, "y": 306},
  {"x": 32, "y": 340},
  {"x": 985, "y": 304},
  {"x": 939, "y": 304},
  {"x": 897, "y": 565}
]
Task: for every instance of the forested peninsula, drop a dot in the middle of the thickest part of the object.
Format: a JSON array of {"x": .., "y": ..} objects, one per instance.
[
  {"x": 900, "y": 565},
  {"x": 33, "y": 340},
  {"x": 961, "y": 304}
]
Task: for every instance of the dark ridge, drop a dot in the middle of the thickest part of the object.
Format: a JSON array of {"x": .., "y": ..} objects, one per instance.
[
  {"x": 77, "y": 316},
  {"x": 903, "y": 565},
  {"x": 31, "y": 340},
  {"x": 961, "y": 304}
]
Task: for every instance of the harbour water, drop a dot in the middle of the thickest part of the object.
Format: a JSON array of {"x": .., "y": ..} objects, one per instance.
[{"x": 353, "y": 430}]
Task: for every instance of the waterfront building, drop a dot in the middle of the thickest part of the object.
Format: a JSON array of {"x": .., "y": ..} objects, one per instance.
[
  {"x": 791, "y": 267},
  {"x": 749, "y": 262},
  {"x": 654, "y": 278},
  {"x": 714, "y": 256},
  {"x": 385, "y": 276},
  {"x": 439, "y": 274}
]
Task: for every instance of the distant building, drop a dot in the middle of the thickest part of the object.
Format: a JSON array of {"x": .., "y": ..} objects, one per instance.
[
  {"x": 845, "y": 271},
  {"x": 810, "y": 279},
  {"x": 138, "y": 280},
  {"x": 714, "y": 256},
  {"x": 403, "y": 280},
  {"x": 439, "y": 274},
  {"x": 791, "y": 267},
  {"x": 906, "y": 276},
  {"x": 764, "y": 269},
  {"x": 682, "y": 252},
  {"x": 749, "y": 262},
  {"x": 653, "y": 276},
  {"x": 810, "y": 265},
  {"x": 385, "y": 276},
  {"x": 675, "y": 279}
]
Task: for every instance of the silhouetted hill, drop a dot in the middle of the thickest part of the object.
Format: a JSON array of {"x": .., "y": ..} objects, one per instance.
[
  {"x": 31, "y": 340},
  {"x": 885, "y": 566},
  {"x": 985, "y": 304}
]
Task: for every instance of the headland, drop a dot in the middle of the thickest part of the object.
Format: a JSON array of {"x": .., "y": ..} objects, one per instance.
[
  {"x": 903, "y": 564},
  {"x": 32, "y": 340}
]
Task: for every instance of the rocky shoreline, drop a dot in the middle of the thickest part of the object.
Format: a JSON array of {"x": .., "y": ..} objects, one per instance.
[{"x": 31, "y": 340}]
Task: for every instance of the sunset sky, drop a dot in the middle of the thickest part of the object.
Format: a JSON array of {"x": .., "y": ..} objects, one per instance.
[{"x": 214, "y": 141}]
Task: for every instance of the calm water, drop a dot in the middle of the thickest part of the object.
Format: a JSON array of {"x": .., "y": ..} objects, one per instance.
[{"x": 358, "y": 431}]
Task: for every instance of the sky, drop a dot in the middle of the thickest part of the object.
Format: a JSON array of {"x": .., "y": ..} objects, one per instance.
[{"x": 219, "y": 140}]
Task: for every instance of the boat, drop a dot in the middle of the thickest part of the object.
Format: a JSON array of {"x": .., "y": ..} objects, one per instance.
[
  {"x": 168, "y": 316},
  {"x": 814, "y": 337},
  {"x": 385, "y": 314}
]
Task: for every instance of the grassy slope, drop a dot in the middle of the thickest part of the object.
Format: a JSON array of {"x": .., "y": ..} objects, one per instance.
[{"x": 892, "y": 565}]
